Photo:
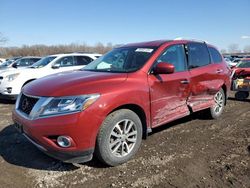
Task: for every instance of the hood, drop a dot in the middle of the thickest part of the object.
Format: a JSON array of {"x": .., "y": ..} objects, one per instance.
[
  {"x": 6, "y": 72},
  {"x": 241, "y": 72},
  {"x": 4, "y": 68},
  {"x": 74, "y": 83}
]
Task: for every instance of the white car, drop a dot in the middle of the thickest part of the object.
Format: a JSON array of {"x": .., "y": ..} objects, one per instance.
[
  {"x": 12, "y": 81},
  {"x": 19, "y": 63},
  {"x": 234, "y": 62},
  {"x": 2, "y": 60}
]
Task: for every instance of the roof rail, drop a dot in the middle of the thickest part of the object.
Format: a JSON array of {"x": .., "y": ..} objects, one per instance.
[
  {"x": 86, "y": 52},
  {"x": 194, "y": 40}
]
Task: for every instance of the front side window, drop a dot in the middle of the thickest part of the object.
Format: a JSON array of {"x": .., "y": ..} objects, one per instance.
[
  {"x": 215, "y": 55},
  {"x": 198, "y": 55},
  {"x": 128, "y": 59},
  {"x": 176, "y": 56},
  {"x": 65, "y": 61}
]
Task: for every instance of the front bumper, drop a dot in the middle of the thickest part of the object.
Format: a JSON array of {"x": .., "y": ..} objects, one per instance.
[
  {"x": 10, "y": 90},
  {"x": 67, "y": 157},
  {"x": 78, "y": 126},
  {"x": 8, "y": 97}
]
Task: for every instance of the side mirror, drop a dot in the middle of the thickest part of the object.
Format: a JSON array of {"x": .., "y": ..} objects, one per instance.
[
  {"x": 163, "y": 68},
  {"x": 56, "y": 66},
  {"x": 14, "y": 65}
]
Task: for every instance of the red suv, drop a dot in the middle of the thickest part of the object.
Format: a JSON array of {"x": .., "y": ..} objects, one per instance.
[
  {"x": 107, "y": 107},
  {"x": 241, "y": 79}
]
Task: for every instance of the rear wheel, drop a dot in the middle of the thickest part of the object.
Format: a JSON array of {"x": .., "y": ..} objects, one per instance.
[
  {"x": 241, "y": 95},
  {"x": 216, "y": 110},
  {"x": 119, "y": 137}
]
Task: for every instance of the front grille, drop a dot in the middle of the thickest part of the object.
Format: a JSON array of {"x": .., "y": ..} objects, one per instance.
[{"x": 27, "y": 103}]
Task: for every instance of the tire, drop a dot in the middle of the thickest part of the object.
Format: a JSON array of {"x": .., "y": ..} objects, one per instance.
[
  {"x": 116, "y": 145},
  {"x": 220, "y": 101},
  {"x": 241, "y": 95}
]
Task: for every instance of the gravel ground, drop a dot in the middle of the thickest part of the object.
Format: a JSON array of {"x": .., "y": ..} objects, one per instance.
[{"x": 191, "y": 152}]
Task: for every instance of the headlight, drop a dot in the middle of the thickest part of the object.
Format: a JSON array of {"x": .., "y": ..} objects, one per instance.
[
  {"x": 12, "y": 77},
  {"x": 64, "y": 105}
]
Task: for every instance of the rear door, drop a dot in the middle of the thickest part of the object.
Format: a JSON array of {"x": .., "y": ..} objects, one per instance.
[
  {"x": 204, "y": 80},
  {"x": 222, "y": 69},
  {"x": 169, "y": 92}
]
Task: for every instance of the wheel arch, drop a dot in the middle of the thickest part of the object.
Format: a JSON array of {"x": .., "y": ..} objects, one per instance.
[
  {"x": 141, "y": 114},
  {"x": 224, "y": 87},
  {"x": 28, "y": 82}
]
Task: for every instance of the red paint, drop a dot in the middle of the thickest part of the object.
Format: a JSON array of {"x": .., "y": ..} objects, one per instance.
[{"x": 162, "y": 97}]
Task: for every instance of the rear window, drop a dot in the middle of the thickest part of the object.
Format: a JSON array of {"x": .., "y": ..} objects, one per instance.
[
  {"x": 198, "y": 55},
  {"x": 215, "y": 55}
]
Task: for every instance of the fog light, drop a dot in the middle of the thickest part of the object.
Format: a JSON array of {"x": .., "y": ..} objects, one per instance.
[
  {"x": 64, "y": 141},
  {"x": 8, "y": 89}
]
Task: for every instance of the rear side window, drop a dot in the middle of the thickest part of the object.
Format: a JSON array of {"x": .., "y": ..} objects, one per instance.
[
  {"x": 33, "y": 60},
  {"x": 83, "y": 60},
  {"x": 215, "y": 55},
  {"x": 198, "y": 55},
  {"x": 175, "y": 55}
]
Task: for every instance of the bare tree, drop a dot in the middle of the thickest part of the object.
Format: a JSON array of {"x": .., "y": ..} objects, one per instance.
[
  {"x": 42, "y": 50},
  {"x": 233, "y": 48},
  {"x": 3, "y": 39},
  {"x": 247, "y": 49}
]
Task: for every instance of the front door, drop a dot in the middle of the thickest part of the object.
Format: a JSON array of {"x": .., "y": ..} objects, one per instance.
[{"x": 169, "y": 92}]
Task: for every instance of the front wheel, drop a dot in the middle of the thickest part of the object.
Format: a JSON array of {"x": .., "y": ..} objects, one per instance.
[
  {"x": 119, "y": 137},
  {"x": 241, "y": 95},
  {"x": 219, "y": 104}
]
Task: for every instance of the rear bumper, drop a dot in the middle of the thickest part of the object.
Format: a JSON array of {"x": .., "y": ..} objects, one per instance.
[
  {"x": 241, "y": 85},
  {"x": 67, "y": 157}
]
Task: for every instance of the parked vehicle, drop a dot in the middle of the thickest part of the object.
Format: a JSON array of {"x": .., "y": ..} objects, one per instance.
[
  {"x": 20, "y": 63},
  {"x": 8, "y": 62},
  {"x": 112, "y": 103},
  {"x": 234, "y": 62},
  {"x": 241, "y": 79},
  {"x": 228, "y": 61},
  {"x": 2, "y": 60},
  {"x": 12, "y": 81}
]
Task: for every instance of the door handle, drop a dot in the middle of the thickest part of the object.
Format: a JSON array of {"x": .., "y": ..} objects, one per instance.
[
  {"x": 184, "y": 81},
  {"x": 219, "y": 71}
]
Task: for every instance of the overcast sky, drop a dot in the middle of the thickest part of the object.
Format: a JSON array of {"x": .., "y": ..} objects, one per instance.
[{"x": 220, "y": 22}]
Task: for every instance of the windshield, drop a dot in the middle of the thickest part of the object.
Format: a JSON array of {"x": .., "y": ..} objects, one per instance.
[
  {"x": 43, "y": 62},
  {"x": 6, "y": 63},
  {"x": 244, "y": 64},
  {"x": 127, "y": 59}
]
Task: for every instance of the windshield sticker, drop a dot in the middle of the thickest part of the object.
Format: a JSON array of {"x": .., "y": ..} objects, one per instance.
[{"x": 147, "y": 50}]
